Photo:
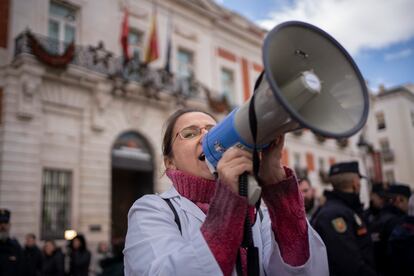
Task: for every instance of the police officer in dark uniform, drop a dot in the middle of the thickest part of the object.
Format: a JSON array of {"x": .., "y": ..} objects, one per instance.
[
  {"x": 10, "y": 250},
  {"x": 391, "y": 215},
  {"x": 401, "y": 244},
  {"x": 377, "y": 201},
  {"x": 339, "y": 223}
]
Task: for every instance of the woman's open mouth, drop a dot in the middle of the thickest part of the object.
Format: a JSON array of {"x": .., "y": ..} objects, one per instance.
[{"x": 202, "y": 157}]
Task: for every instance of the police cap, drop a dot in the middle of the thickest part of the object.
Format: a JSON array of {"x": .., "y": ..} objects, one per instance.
[
  {"x": 399, "y": 189},
  {"x": 345, "y": 167}
]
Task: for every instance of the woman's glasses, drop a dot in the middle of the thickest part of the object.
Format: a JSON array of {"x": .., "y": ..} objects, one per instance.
[{"x": 191, "y": 132}]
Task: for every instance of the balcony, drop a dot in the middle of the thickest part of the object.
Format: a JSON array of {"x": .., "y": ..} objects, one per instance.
[
  {"x": 387, "y": 155},
  {"x": 320, "y": 138},
  {"x": 96, "y": 59},
  {"x": 87, "y": 57},
  {"x": 342, "y": 142}
]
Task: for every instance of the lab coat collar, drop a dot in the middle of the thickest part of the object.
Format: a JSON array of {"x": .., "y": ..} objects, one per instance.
[{"x": 185, "y": 204}]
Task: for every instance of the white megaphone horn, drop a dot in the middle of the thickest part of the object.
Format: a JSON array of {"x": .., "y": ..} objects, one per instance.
[{"x": 309, "y": 80}]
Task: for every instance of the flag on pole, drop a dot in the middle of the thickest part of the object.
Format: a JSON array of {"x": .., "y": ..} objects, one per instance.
[
  {"x": 152, "y": 49},
  {"x": 124, "y": 36},
  {"x": 167, "y": 66}
]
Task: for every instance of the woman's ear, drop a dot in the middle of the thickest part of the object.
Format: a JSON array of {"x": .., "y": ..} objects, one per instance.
[{"x": 169, "y": 163}]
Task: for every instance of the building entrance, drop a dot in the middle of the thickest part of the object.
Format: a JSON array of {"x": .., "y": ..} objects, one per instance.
[{"x": 132, "y": 177}]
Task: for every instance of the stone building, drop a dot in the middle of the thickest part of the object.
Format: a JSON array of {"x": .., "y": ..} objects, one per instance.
[
  {"x": 80, "y": 128},
  {"x": 80, "y": 137}
]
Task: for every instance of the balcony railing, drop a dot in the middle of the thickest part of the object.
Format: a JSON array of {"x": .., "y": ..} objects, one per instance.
[
  {"x": 98, "y": 59},
  {"x": 84, "y": 56},
  {"x": 387, "y": 155}
]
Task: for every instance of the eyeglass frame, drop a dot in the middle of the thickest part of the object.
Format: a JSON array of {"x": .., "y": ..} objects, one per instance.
[{"x": 200, "y": 129}]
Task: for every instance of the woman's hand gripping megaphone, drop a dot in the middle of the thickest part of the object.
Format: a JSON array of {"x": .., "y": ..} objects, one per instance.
[
  {"x": 235, "y": 161},
  {"x": 271, "y": 170}
]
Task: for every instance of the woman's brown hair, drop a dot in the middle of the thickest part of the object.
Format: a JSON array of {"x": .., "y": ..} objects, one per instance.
[{"x": 169, "y": 128}]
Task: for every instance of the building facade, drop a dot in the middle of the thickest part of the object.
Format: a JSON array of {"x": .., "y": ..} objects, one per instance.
[
  {"x": 390, "y": 130},
  {"x": 81, "y": 126}
]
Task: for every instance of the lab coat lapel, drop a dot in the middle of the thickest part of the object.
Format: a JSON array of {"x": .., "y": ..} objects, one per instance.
[
  {"x": 192, "y": 209},
  {"x": 186, "y": 205}
]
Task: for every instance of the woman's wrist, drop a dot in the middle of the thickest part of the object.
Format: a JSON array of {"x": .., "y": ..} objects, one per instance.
[{"x": 274, "y": 176}]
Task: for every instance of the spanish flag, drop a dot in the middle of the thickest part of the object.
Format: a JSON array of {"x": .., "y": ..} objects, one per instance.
[{"x": 152, "y": 49}]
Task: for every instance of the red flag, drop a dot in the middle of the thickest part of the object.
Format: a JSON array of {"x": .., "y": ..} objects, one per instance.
[
  {"x": 124, "y": 36},
  {"x": 152, "y": 49}
]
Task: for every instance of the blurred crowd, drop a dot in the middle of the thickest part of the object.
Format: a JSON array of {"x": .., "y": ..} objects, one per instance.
[{"x": 51, "y": 260}]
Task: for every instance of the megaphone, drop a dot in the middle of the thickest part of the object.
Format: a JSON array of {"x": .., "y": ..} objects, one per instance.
[{"x": 309, "y": 81}]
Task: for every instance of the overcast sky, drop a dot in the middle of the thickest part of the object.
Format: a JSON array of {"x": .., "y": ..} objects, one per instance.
[{"x": 379, "y": 34}]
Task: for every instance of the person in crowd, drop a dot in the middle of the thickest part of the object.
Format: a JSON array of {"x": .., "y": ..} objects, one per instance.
[
  {"x": 103, "y": 252},
  {"x": 11, "y": 256},
  {"x": 196, "y": 227},
  {"x": 114, "y": 265},
  {"x": 53, "y": 260},
  {"x": 32, "y": 256},
  {"x": 393, "y": 213},
  {"x": 340, "y": 225},
  {"x": 308, "y": 194},
  {"x": 401, "y": 244},
  {"x": 376, "y": 203},
  {"x": 80, "y": 256}
]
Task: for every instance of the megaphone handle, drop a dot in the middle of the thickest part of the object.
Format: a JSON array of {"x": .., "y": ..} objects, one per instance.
[{"x": 243, "y": 184}]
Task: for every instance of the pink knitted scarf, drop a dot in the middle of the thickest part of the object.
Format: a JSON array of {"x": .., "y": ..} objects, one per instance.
[{"x": 197, "y": 189}]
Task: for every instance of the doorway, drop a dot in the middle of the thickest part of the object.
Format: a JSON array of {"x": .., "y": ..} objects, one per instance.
[{"x": 132, "y": 177}]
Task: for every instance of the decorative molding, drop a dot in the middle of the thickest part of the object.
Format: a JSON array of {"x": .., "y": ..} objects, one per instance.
[
  {"x": 142, "y": 16},
  {"x": 63, "y": 95},
  {"x": 186, "y": 35},
  {"x": 26, "y": 96},
  {"x": 132, "y": 10},
  {"x": 100, "y": 102}
]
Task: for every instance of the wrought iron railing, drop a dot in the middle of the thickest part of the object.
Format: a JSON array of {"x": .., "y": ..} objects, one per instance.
[
  {"x": 100, "y": 60},
  {"x": 388, "y": 155}
]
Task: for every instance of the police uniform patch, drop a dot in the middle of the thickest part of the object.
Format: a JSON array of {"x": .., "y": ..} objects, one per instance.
[{"x": 339, "y": 225}]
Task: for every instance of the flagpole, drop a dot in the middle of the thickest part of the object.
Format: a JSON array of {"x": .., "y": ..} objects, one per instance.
[{"x": 167, "y": 66}]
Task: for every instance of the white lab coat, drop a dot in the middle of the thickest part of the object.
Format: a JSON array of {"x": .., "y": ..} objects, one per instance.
[{"x": 155, "y": 246}]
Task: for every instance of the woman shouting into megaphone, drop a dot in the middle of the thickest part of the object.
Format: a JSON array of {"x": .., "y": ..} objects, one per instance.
[{"x": 196, "y": 227}]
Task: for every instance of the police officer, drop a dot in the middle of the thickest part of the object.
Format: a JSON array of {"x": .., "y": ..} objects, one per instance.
[
  {"x": 376, "y": 203},
  {"x": 391, "y": 215},
  {"x": 10, "y": 250},
  {"x": 340, "y": 225},
  {"x": 401, "y": 244}
]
